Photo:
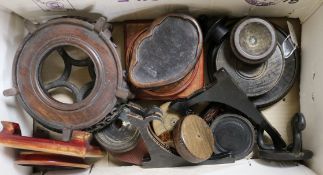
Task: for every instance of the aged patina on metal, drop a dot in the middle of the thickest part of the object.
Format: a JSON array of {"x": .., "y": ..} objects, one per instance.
[
  {"x": 253, "y": 79},
  {"x": 288, "y": 77},
  {"x": 95, "y": 100},
  {"x": 219, "y": 48},
  {"x": 119, "y": 136},
  {"x": 253, "y": 40}
]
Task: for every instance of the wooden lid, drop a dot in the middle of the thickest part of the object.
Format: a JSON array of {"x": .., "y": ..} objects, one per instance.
[{"x": 193, "y": 139}]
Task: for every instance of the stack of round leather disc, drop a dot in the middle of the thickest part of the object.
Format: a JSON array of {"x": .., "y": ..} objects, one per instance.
[{"x": 164, "y": 58}]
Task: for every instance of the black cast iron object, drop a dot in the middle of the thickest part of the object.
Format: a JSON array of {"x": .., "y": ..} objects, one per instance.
[
  {"x": 288, "y": 77},
  {"x": 106, "y": 71},
  {"x": 253, "y": 79},
  {"x": 233, "y": 133},
  {"x": 160, "y": 155},
  {"x": 294, "y": 151},
  {"x": 62, "y": 81},
  {"x": 290, "y": 71},
  {"x": 225, "y": 91},
  {"x": 217, "y": 31}
]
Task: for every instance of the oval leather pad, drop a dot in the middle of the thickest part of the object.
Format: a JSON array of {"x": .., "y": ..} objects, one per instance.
[{"x": 166, "y": 53}]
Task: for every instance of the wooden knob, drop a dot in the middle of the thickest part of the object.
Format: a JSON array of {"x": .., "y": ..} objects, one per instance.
[{"x": 193, "y": 139}]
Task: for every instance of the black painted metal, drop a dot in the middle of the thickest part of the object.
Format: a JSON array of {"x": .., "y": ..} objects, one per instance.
[
  {"x": 288, "y": 76},
  {"x": 233, "y": 133},
  {"x": 294, "y": 151},
  {"x": 226, "y": 92},
  {"x": 160, "y": 155}
]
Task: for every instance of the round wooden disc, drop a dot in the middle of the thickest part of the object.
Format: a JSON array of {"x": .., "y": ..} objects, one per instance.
[{"x": 193, "y": 139}]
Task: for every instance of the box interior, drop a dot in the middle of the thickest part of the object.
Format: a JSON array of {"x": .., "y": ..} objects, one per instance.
[{"x": 304, "y": 96}]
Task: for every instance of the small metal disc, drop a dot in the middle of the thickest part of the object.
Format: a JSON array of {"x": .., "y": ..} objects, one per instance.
[
  {"x": 118, "y": 137},
  {"x": 253, "y": 40},
  {"x": 253, "y": 79},
  {"x": 233, "y": 133}
]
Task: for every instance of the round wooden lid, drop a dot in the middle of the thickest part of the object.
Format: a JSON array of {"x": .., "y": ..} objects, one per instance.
[{"x": 193, "y": 139}]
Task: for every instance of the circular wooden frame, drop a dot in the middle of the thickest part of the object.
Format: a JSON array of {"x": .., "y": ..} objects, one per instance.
[{"x": 27, "y": 65}]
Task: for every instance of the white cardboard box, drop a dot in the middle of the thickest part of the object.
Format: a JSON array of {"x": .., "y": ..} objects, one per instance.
[{"x": 308, "y": 99}]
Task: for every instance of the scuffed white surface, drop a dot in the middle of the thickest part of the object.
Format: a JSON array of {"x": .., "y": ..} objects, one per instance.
[
  {"x": 242, "y": 167},
  {"x": 119, "y": 10},
  {"x": 11, "y": 34},
  {"x": 311, "y": 96}
]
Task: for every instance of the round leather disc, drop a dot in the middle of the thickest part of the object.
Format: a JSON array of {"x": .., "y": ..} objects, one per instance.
[
  {"x": 254, "y": 80},
  {"x": 234, "y": 134},
  {"x": 193, "y": 139}
]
